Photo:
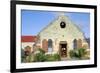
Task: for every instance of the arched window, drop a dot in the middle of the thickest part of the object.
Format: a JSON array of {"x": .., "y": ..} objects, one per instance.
[
  {"x": 75, "y": 44},
  {"x": 50, "y": 47}
]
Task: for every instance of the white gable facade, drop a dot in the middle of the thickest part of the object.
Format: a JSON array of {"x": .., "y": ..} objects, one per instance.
[{"x": 61, "y": 36}]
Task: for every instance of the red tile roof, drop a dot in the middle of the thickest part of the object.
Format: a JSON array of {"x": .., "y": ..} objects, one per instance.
[{"x": 28, "y": 38}]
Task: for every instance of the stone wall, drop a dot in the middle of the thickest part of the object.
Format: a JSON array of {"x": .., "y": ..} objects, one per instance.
[{"x": 56, "y": 33}]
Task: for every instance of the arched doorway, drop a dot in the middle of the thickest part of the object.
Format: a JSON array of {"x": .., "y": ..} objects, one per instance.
[
  {"x": 45, "y": 45},
  {"x": 50, "y": 46},
  {"x": 63, "y": 48}
]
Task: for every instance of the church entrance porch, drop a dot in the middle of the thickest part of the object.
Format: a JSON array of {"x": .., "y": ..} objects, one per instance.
[{"x": 63, "y": 49}]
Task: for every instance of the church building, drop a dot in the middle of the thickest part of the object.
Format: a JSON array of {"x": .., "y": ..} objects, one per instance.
[{"x": 61, "y": 36}]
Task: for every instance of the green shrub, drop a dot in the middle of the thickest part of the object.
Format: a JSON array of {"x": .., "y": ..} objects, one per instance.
[
  {"x": 22, "y": 58},
  {"x": 78, "y": 53},
  {"x": 50, "y": 58},
  {"x": 57, "y": 57},
  {"x": 22, "y": 55},
  {"x": 42, "y": 57},
  {"x": 41, "y": 50},
  {"x": 82, "y": 52},
  {"x": 53, "y": 57},
  {"x": 39, "y": 57},
  {"x": 27, "y": 59},
  {"x": 72, "y": 53}
]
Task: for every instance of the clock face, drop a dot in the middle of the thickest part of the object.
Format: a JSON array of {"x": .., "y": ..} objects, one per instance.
[{"x": 62, "y": 24}]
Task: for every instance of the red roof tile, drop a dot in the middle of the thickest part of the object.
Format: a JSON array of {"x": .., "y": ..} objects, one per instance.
[{"x": 28, "y": 38}]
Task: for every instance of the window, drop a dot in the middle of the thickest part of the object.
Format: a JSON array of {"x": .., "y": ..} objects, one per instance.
[
  {"x": 62, "y": 24},
  {"x": 50, "y": 48},
  {"x": 75, "y": 44}
]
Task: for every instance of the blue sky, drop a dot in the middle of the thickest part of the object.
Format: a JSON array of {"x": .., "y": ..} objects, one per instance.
[{"x": 34, "y": 21}]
